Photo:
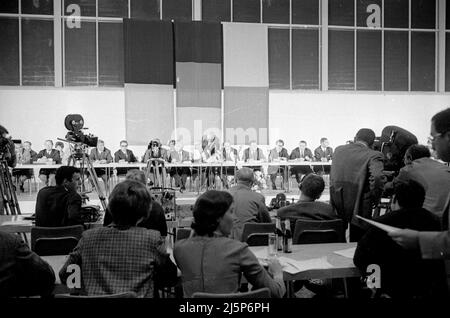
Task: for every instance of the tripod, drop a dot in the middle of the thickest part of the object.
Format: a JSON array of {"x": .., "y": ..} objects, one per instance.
[
  {"x": 159, "y": 180},
  {"x": 8, "y": 195},
  {"x": 86, "y": 166}
]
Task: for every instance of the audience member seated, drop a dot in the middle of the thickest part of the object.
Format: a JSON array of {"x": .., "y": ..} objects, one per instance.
[
  {"x": 22, "y": 272},
  {"x": 431, "y": 174},
  {"x": 250, "y": 206},
  {"x": 323, "y": 153},
  {"x": 124, "y": 155},
  {"x": 101, "y": 155},
  {"x": 178, "y": 155},
  {"x": 156, "y": 219},
  {"x": 60, "y": 205},
  {"x": 301, "y": 153},
  {"x": 307, "y": 207},
  {"x": 120, "y": 257},
  {"x": 403, "y": 273},
  {"x": 25, "y": 156},
  {"x": 357, "y": 181},
  {"x": 210, "y": 262},
  {"x": 276, "y": 154},
  {"x": 47, "y": 176}
]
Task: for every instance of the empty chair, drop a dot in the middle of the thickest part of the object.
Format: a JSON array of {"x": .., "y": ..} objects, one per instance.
[
  {"x": 258, "y": 239},
  {"x": 183, "y": 233},
  {"x": 252, "y": 228},
  {"x": 313, "y": 232},
  {"x": 259, "y": 293},
  {"x": 119, "y": 295},
  {"x": 55, "y": 240}
]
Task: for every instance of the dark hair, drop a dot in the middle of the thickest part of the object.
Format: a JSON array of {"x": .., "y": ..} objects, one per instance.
[
  {"x": 129, "y": 201},
  {"x": 123, "y": 141},
  {"x": 323, "y": 139},
  {"x": 208, "y": 208},
  {"x": 417, "y": 152},
  {"x": 280, "y": 141},
  {"x": 136, "y": 175},
  {"x": 65, "y": 173},
  {"x": 59, "y": 143},
  {"x": 312, "y": 186},
  {"x": 302, "y": 141},
  {"x": 409, "y": 194},
  {"x": 3, "y": 130},
  {"x": 441, "y": 121},
  {"x": 367, "y": 135}
]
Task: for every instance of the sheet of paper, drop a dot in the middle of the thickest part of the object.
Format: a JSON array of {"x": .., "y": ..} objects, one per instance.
[
  {"x": 18, "y": 222},
  {"x": 384, "y": 227},
  {"x": 349, "y": 252}
]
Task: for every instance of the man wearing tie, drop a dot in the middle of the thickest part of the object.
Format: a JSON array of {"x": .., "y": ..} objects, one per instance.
[
  {"x": 123, "y": 155},
  {"x": 301, "y": 153},
  {"x": 323, "y": 153},
  {"x": 180, "y": 174},
  {"x": 276, "y": 154},
  {"x": 48, "y": 175}
]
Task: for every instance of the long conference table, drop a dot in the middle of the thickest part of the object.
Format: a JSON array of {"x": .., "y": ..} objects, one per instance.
[
  {"x": 339, "y": 266},
  {"x": 191, "y": 165}
]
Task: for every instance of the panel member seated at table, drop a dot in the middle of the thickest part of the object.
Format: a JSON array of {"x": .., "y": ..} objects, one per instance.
[
  {"x": 158, "y": 155},
  {"x": 22, "y": 272},
  {"x": 250, "y": 206},
  {"x": 156, "y": 219},
  {"x": 307, "y": 207},
  {"x": 121, "y": 257},
  {"x": 229, "y": 154},
  {"x": 211, "y": 262},
  {"x": 101, "y": 155},
  {"x": 64, "y": 153},
  {"x": 301, "y": 153},
  {"x": 60, "y": 205},
  {"x": 25, "y": 156},
  {"x": 323, "y": 153},
  {"x": 179, "y": 155},
  {"x": 404, "y": 274},
  {"x": 124, "y": 155},
  {"x": 47, "y": 176},
  {"x": 276, "y": 154}
]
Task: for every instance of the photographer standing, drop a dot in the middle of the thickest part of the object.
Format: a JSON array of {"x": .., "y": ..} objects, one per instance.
[{"x": 7, "y": 153}]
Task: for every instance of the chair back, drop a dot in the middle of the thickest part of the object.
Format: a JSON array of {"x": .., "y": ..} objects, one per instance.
[
  {"x": 182, "y": 233},
  {"x": 259, "y": 293},
  {"x": 119, "y": 295},
  {"x": 258, "y": 239},
  {"x": 314, "y": 232},
  {"x": 252, "y": 228},
  {"x": 55, "y": 240}
]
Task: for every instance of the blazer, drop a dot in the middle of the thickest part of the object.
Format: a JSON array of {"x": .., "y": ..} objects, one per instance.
[
  {"x": 227, "y": 156},
  {"x": 104, "y": 155},
  {"x": 274, "y": 154},
  {"x": 129, "y": 157},
  {"x": 259, "y": 154},
  {"x": 356, "y": 181},
  {"x": 27, "y": 157},
  {"x": 319, "y": 153},
  {"x": 22, "y": 272},
  {"x": 315, "y": 210},
  {"x": 295, "y": 154},
  {"x": 250, "y": 207},
  {"x": 215, "y": 265},
  {"x": 162, "y": 154},
  {"x": 404, "y": 274},
  {"x": 54, "y": 155},
  {"x": 115, "y": 260},
  {"x": 175, "y": 156}
]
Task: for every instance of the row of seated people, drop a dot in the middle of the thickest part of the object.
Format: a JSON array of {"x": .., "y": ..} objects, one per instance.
[{"x": 207, "y": 152}]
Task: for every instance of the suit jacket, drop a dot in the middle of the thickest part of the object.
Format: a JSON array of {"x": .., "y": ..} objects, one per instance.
[
  {"x": 115, "y": 260},
  {"x": 435, "y": 179},
  {"x": 259, "y": 154},
  {"x": 162, "y": 154},
  {"x": 129, "y": 157},
  {"x": 27, "y": 157},
  {"x": 56, "y": 206},
  {"x": 295, "y": 154},
  {"x": 54, "y": 155},
  {"x": 174, "y": 156},
  {"x": 104, "y": 155},
  {"x": 22, "y": 272},
  {"x": 404, "y": 274},
  {"x": 315, "y": 210},
  {"x": 250, "y": 207},
  {"x": 227, "y": 156},
  {"x": 356, "y": 181},
  {"x": 215, "y": 265},
  {"x": 274, "y": 154},
  {"x": 319, "y": 153}
]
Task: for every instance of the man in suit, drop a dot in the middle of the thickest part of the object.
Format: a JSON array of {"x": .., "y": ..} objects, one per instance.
[
  {"x": 229, "y": 154},
  {"x": 357, "y": 181},
  {"x": 102, "y": 155},
  {"x": 323, "y": 153},
  {"x": 48, "y": 175},
  {"x": 434, "y": 177},
  {"x": 124, "y": 155},
  {"x": 276, "y": 154},
  {"x": 301, "y": 153},
  {"x": 253, "y": 152},
  {"x": 432, "y": 244},
  {"x": 250, "y": 206},
  {"x": 25, "y": 156},
  {"x": 180, "y": 174},
  {"x": 403, "y": 273},
  {"x": 22, "y": 272},
  {"x": 60, "y": 205}
]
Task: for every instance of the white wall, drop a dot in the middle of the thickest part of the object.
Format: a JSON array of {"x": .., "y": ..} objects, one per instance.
[
  {"x": 338, "y": 115},
  {"x": 37, "y": 114}
]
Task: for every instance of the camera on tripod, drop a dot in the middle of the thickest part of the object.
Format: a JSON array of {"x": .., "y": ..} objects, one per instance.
[{"x": 74, "y": 124}]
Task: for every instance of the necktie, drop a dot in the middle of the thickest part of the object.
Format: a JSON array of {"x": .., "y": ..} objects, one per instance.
[{"x": 301, "y": 154}]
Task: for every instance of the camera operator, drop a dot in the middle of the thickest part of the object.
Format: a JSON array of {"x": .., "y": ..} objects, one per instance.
[{"x": 8, "y": 153}]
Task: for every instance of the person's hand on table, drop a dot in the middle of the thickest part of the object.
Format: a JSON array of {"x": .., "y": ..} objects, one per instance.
[
  {"x": 406, "y": 238},
  {"x": 275, "y": 267}
]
